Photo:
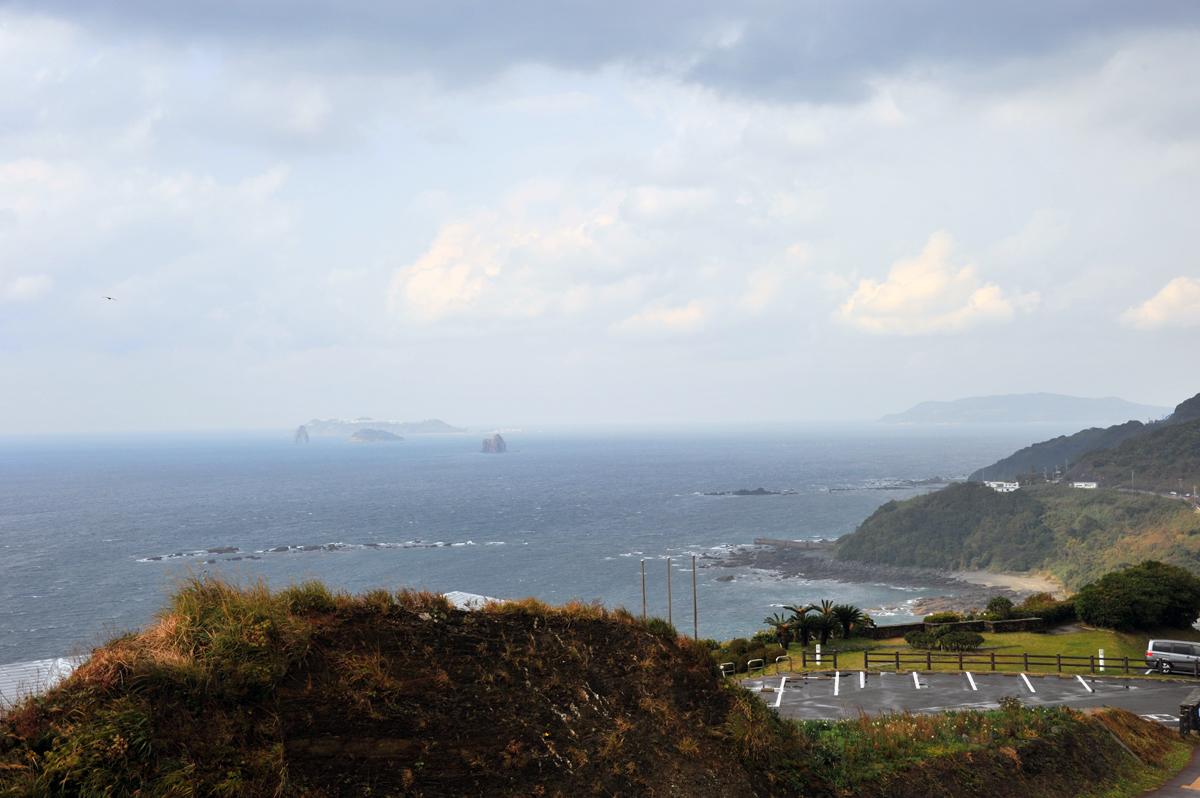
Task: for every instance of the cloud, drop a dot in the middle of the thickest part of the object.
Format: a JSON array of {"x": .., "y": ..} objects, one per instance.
[
  {"x": 665, "y": 318},
  {"x": 752, "y": 49},
  {"x": 1177, "y": 304},
  {"x": 24, "y": 287},
  {"x": 927, "y": 294}
]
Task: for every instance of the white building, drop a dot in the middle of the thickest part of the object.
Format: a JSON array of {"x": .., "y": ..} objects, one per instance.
[
  {"x": 1003, "y": 487},
  {"x": 1084, "y": 485}
]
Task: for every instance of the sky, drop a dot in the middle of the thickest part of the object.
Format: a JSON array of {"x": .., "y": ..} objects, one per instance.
[{"x": 584, "y": 212}]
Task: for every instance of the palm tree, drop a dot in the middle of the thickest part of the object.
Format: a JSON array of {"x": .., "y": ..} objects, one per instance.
[
  {"x": 848, "y": 617},
  {"x": 824, "y": 622},
  {"x": 782, "y": 626},
  {"x": 802, "y": 622}
]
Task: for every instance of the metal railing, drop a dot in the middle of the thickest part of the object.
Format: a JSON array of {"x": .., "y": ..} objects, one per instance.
[
  {"x": 826, "y": 659},
  {"x": 978, "y": 660}
]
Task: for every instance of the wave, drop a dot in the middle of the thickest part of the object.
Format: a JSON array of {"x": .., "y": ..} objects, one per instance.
[{"x": 234, "y": 553}]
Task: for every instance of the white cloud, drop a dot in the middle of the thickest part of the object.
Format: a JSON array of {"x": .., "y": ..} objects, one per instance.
[
  {"x": 665, "y": 318},
  {"x": 927, "y": 294},
  {"x": 1177, "y": 304},
  {"x": 24, "y": 287}
]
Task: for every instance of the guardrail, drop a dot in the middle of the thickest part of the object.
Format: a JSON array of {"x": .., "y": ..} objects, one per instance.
[
  {"x": 826, "y": 659},
  {"x": 977, "y": 660}
]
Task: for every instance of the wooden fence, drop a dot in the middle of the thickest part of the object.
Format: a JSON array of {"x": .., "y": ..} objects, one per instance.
[{"x": 978, "y": 660}]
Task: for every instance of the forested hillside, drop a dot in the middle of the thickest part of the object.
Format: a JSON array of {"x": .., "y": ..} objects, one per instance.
[
  {"x": 1067, "y": 451},
  {"x": 1164, "y": 459},
  {"x": 1076, "y": 535}
]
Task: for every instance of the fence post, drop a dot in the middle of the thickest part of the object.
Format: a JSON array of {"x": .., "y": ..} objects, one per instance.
[
  {"x": 1059, "y": 658},
  {"x": 1093, "y": 668},
  {"x": 1026, "y": 660},
  {"x": 928, "y": 660},
  {"x": 960, "y": 660},
  {"x": 835, "y": 653},
  {"x": 993, "y": 660},
  {"x": 1127, "y": 666}
]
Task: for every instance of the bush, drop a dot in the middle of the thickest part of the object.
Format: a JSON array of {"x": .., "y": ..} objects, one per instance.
[
  {"x": 1141, "y": 597},
  {"x": 661, "y": 628},
  {"x": 1000, "y": 608},
  {"x": 945, "y": 639},
  {"x": 943, "y": 617},
  {"x": 1049, "y": 609}
]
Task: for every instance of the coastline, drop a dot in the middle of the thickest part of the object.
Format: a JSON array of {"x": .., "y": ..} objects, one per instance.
[
  {"x": 1032, "y": 582},
  {"x": 963, "y": 590}
]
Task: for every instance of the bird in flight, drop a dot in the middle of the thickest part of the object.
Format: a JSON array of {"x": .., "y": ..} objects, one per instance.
[{"x": 111, "y": 298}]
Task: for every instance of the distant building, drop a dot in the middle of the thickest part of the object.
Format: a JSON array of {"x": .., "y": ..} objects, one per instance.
[
  {"x": 1003, "y": 487},
  {"x": 1084, "y": 485}
]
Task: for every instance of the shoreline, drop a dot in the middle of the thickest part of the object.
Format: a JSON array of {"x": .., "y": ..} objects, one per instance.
[
  {"x": 1032, "y": 582},
  {"x": 964, "y": 590}
]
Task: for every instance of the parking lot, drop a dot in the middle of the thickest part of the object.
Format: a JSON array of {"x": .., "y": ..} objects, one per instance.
[{"x": 847, "y": 694}]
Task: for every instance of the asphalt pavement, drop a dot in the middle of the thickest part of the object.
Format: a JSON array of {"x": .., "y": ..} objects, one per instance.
[{"x": 848, "y": 694}]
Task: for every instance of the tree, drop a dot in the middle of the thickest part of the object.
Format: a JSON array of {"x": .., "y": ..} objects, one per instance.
[
  {"x": 1141, "y": 597},
  {"x": 782, "y": 626},
  {"x": 1000, "y": 608},
  {"x": 849, "y": 617},
  {"x": 802, "y": 622}
]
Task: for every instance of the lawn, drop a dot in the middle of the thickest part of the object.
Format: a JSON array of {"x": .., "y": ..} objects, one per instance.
[{"x": 1083, "y": 642}]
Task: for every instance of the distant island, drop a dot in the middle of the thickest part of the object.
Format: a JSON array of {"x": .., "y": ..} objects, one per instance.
[
  {"x": 1026, "y": 408},
  {"x": 494, "y": 444},
  {"x": 754, "y": 492},
  {"x": 374, "y": 436},
  {"x": 347, "y": 427}
]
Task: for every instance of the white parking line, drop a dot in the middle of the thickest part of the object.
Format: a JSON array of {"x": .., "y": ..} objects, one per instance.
[
  {"x": 779, "y": 698},
  {"x": 837, "y": 682},
  {"x": 1086, "y": 686},
  {"x": 1027, "y": 684},
  {"x": 971, "y": 679},
  {"x": 862, "y": 679},
  {"x": 916, "y": 682}
]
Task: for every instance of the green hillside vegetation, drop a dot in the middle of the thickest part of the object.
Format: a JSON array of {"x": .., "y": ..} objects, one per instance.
[
  {"x": 1163, "y": 459},
  {"x": 1172, "y": 455},
  {"x": 1058, "y": 452},
  {"x": 1076, "y": 535},
  {"x": 245, "y": 692}
]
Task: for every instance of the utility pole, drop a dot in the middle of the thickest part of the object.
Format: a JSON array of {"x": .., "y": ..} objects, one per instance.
[
  {"x": 643, "y": 589},
  {"x": 669, "y": 592},
  {"x": 695, "y": 606}
]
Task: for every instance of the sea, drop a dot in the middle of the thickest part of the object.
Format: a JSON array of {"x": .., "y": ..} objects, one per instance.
[{"x": 95, "y": 532}]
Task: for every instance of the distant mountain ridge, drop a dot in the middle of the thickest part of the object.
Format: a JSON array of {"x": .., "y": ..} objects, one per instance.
[
  {"x": 1166, "y": 448},
  {"x": 339, "y": 426},
  {"x": 1026, "y": 408}
]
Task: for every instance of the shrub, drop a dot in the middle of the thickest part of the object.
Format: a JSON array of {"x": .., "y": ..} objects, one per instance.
[
  {"x": 943, "y": 617},
  {"x": 960, "y": 640},
  {"x": 1049, "y": 609},
  {"x": 945, "y": 639},
  {"x": 1141, "y": 597},
  {"x": 661, "y": 628},
  {"x": 1000, "y": 608}
]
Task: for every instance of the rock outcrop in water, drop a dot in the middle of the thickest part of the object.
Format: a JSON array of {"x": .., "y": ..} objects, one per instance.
[
  {"x": 494, "y": 444},
  {"x": 301, "y": 434}
]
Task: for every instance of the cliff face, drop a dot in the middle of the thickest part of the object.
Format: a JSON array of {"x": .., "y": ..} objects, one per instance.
[{"x": 494, "y": 444}]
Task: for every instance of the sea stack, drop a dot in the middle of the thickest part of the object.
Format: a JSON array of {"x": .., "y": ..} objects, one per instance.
[
  {"x": 301, "y": 434},
  {"x": 494, "y": 444}
]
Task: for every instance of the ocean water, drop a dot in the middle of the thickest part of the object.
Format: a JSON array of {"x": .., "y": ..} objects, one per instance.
[{"x": 95, "y": 532}]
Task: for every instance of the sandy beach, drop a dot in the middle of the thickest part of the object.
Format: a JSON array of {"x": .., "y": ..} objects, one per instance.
[{"x": 1023, "y": 583}]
